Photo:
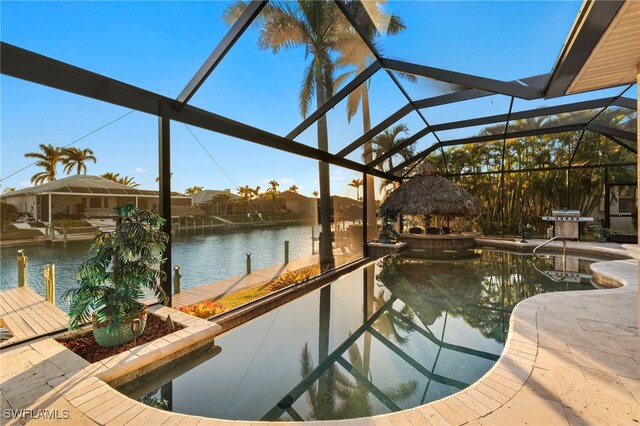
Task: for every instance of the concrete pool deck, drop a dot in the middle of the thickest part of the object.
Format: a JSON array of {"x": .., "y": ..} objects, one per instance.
[{"x": 570, "y": 358}]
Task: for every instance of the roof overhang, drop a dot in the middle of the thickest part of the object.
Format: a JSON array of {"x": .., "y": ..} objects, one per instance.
[{"x": 602, "y": 50}]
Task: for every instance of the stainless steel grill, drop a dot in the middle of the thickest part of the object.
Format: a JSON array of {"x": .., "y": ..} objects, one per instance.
[{"x": 566, "y": 223}]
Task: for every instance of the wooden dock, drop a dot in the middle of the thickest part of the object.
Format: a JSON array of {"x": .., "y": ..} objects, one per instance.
[{"x": 27, "y": 314}]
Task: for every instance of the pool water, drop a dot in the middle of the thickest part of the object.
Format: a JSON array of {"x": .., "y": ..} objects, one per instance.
[{"x": 398, "y": 333}]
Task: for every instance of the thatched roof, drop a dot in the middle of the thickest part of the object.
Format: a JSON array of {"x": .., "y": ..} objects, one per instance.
[{"x": 432, "y": 194}]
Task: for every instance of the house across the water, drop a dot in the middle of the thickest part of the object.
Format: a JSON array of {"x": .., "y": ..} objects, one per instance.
[{"x": 85, "y": 196}]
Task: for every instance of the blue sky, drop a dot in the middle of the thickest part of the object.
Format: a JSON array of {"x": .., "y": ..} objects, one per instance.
[{"x": 160, "y": 45}]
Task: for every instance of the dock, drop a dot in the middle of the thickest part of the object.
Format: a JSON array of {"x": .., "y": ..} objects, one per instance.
[{"x": 27, "y": 314}]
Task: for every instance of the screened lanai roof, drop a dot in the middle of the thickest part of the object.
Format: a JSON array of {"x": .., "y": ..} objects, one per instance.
[{"x": 441, "y": 108}]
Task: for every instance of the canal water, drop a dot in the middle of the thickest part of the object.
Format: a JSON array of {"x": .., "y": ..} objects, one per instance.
[{"x": 203, "y": 258}]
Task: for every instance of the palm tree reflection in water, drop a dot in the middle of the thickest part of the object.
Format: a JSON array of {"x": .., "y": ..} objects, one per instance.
[
  {"x": 347, "y": 397},
  {"x": 412, "y": 295}
]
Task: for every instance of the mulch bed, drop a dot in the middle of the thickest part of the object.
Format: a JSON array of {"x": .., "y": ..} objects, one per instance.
[{"x": 89, "y": 349}]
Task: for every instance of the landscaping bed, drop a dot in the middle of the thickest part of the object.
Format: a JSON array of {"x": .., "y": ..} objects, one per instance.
[
  {"x": 210, "y": 308},
  {"x": 87, "y": 347}
]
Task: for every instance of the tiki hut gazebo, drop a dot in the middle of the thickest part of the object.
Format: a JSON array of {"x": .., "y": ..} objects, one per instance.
[
  {"x": 430, "y": 194},
  {"x": 433, "y": 195}
]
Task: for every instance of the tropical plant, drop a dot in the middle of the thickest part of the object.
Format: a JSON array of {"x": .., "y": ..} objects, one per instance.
[
  {"x": 385, "y": 141},
  {"x": 355, "y": 57},
  {"x": 273, "y": 186},
  {"x": 315, "y": 26},
  {"x": 124, "y": 180},
  {"x": 245, "y": 193},
  {"x": 356, "y": 183},
  {"x": 542, "y": 190},
  {"x": 389, "y": 217},
  {"x": 293, "y": 277},
  {"x": 48, "y": 159},
  {"x": 8, "y": 213},
  {"x": 170, "y": 177},
  {"x": 344, "y": 398},
  {"x": 111, "y": 176},
  {"x": 315, "y": 194},
  {"x": 193, "y": 190},
  {"x": 128, "y": 181},
  {"x": 525, "y": 228},
  {"x": 205, "y": 309},
  {"x": 293, "y": 188},
  {"x": 223, "y": 199},
  {"x": 124, "y": 262},
  {"x": 76, "y": 158},
  {"x": 272, "y": 193},
  {"x": 600, "y": 231},
  {"x": 8, "y": 189}
]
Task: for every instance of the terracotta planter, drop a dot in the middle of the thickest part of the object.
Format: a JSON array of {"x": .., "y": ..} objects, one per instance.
[{"x": 122, "y": 335}]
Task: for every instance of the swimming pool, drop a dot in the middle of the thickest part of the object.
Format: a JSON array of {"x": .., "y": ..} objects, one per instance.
[{"x": 398, "y": 333}]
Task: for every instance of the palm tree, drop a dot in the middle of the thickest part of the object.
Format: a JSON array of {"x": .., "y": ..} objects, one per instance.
[
  {"x": 293, "y": 188},
  {"x": 385, "y": 141},
  {"x": 111, "y": 176},
  {"x": 346, "y": 398},
  {"x": 48, "y": 159},
  {"x": 223, "y": 198},
  {"x": 274, "y": 186},
  {"x": 356, "y": 183},
  {"x": 124, "y": 180},
  {"x": 193, "y": 190},
  {"x": 158, "y": 177},
  {"x": 76, "y": 158},
  {"x": 315, "y": 194},
  {"x": 8, "y": 189},
  {"x": 355, "y": 56},
  {"x": 316, "y": 26}
]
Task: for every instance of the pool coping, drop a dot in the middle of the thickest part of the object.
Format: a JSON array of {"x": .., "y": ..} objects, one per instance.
[{"x": 57, "y": 381}]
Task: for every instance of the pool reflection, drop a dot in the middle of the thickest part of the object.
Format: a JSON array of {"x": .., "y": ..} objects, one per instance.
[{"x": 396, "y": 334}]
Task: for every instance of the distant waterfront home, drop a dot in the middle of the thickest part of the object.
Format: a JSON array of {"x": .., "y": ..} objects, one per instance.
[
  {"x": 85, "y": 196},
  {"x": 210, "y": 201},
  {"x": 298, "y": 203}
]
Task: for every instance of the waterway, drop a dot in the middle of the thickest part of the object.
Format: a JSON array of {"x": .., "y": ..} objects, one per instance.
[{"x": 203, "y": 258}]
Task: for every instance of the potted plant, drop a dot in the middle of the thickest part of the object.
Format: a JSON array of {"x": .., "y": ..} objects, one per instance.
[
  {"x": 600, "y": 233},
  {"x": 111, "y": 283},
  {"x": 387, "y": 234},
  {"x": 526, "y": 230}
]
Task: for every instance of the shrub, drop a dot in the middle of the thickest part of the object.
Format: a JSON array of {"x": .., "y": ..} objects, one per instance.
[
  {"x": 204, "y": 309},
  {"x": 293, "y": 277},
  {"x": 208, "y": 308}
]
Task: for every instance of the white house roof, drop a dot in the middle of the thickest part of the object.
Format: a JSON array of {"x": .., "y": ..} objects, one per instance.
[{"x": 84, "y": 184}]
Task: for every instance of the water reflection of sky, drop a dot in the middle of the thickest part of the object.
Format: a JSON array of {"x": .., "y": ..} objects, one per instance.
[{"x": 434, "y": 328}]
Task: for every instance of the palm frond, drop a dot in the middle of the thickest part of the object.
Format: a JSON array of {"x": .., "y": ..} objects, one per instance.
[{"x": 307, "y": 90}]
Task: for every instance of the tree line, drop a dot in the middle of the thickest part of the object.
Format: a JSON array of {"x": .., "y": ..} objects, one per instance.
[{"x": 531, "y": 194}]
